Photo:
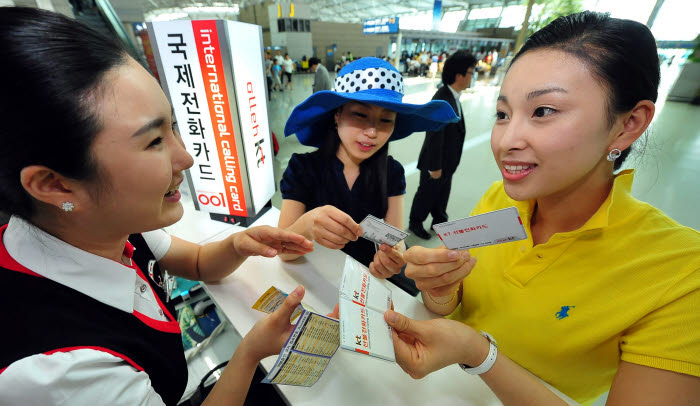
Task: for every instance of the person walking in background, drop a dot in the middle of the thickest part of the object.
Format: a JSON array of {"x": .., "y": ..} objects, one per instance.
[
  {"x": 287, "y": 69},
  {"x": 279, "y": 57},
  {"x": 321, "y": 79},
  {"x": 423, "y": 59},
  {"x": 268, "y": 73},
  {"x": 276, "y": 75},
  {"x": 442, "y": 149}
]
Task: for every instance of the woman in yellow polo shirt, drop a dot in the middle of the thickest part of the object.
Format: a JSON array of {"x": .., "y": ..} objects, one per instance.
[{"x": 605, "y": 292}]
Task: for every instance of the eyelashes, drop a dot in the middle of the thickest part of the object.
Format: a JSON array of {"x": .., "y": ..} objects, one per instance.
[
  {"x": 539, "y": 112},
  {"x": 155, "y": 142}
]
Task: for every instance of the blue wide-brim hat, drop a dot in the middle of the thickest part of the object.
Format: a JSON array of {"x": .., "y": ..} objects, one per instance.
[{"x": 371, "y": 81}]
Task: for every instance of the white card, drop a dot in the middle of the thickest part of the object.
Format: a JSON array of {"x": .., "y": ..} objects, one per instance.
[
  {"x": 490, "y": 228},
  {"x": 358, "y": 285},
  {"x": 365, "y": 331},
  {"x": 377, "y": 231}
]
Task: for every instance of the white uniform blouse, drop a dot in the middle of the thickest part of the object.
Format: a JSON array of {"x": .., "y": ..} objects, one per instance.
[{"x": 82, "y": 376}]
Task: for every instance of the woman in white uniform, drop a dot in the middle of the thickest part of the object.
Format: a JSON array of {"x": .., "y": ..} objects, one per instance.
[{"x": 90, "y": 166}]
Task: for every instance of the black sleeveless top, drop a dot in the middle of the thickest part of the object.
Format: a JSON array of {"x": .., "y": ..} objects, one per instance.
[{"x": 58, "y": 318}]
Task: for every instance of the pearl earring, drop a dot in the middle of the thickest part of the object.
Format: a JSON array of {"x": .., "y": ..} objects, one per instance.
[
  {"x": 67, "y": 206},
  {"x": 613, "y": 154}
]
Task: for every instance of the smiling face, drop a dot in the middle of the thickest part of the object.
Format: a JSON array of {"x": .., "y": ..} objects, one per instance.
[
  {"x": 139, "y": 154},
  {"x": 551, "y": 133},
  {"x": 363, "y": 130}
]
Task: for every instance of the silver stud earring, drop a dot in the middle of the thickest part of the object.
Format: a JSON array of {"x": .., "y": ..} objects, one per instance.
[
  {"x": 67, "y": 206},
  {"x": 614, "y": 154}
]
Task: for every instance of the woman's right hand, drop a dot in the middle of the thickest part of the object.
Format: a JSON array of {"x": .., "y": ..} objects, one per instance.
[
  {"x": 332, "y": 228},
  {"x": 438, "y": 271},
  {"x": 425, "y": 346}
]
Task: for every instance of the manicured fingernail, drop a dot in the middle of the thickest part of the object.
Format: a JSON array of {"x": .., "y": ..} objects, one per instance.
[
  {"x": 271, "y": 252},
  {"x": 297, "y": 292},
  {"x": 453, "y": 255},
  {"x": 465, "y": 255}
]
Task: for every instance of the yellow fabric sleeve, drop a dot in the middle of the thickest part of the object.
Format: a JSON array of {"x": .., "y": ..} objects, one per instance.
[{"x": 669, "y": 337}]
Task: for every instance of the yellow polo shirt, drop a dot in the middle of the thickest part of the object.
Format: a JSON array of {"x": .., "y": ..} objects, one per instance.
[{"x": 624, "y": 286}]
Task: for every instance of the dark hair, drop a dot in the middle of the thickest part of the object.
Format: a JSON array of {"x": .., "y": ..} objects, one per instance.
[
  {"x": 373, "y": 170},
  {"x": 621, "y": 54},
  {"x": 52, "y": 69},
  {"x": 314, "y": 61},
  {"x": 457, "y": 63}
]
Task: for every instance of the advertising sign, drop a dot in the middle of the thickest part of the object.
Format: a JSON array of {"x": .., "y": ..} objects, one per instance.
[
  {"x": 385, "y": 25},
  {"x": 437, "y": 14},
  {"x": 215, "y": 83}
]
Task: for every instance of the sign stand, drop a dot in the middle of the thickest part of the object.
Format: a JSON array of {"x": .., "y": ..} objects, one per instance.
[
  {"x": 214, "y": 76},
  {"x": 241, "y": 221}
]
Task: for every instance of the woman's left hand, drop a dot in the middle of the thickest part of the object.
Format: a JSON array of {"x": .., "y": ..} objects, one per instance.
[
  {"x": 387, "y": 262},
  {"x": 268, "y": 336},
  {"x": 270, "y": 241}
]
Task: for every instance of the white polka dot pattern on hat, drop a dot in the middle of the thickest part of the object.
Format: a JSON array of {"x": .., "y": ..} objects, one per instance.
[{"x": 370, "y": 78}]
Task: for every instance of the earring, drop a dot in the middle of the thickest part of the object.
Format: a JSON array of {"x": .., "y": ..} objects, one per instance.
[
  {"x": 67, "y": 206},
  {"x": 613, "y": 154}
]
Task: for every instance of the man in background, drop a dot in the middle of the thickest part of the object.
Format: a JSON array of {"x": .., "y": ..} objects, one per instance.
[
  {"x": 268, "y": 73},
  {"x": 442, "y": 149},
  {"x": 287, "y": 69},
  {"x": 321, "y": 79}
]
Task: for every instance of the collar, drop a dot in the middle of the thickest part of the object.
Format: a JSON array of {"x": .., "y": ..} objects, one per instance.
[
  {"x": 454, "y": 93},
  {"x": 100, "y": 278},
  {"x": 615, "y": 207}
]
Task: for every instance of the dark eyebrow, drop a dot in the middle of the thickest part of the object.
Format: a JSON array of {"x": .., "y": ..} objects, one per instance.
[
  {"x": 502, "y": 98},
  {"x": 537, "y": 93},
  {"x": 366, "y": 105},
  {"x": 157, "y": 123}
]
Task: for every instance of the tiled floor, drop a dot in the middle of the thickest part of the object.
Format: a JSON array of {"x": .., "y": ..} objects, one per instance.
[{"x": 668, "y": 169}]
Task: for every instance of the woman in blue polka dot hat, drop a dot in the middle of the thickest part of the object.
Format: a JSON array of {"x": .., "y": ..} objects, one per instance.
[{"x": 329, "y": 191}]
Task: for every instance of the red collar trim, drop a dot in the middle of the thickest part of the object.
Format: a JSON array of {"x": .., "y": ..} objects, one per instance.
[
  {"x": 128, "y": 250},
  {"x": 171, "y": 326},
  {"x": 6, "y": 261}
]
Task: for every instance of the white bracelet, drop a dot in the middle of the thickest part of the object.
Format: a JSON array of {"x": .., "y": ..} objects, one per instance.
[{"x": 488, "y": 362}]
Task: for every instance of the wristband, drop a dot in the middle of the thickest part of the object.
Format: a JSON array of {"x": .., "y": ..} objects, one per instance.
[{"x": 488, "y": 362}]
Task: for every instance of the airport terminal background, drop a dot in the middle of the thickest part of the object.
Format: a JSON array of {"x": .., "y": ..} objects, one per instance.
[{"x": 667, "y": 160}]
